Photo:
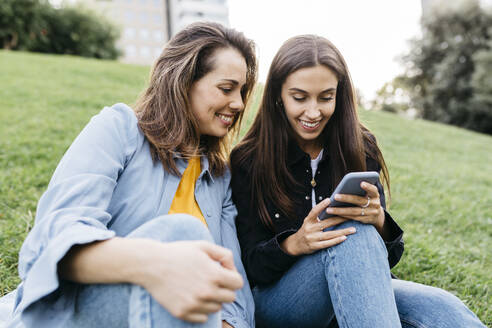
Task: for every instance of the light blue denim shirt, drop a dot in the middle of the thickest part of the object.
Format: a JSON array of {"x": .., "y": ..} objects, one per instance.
[{"x": 107, "y": 185}]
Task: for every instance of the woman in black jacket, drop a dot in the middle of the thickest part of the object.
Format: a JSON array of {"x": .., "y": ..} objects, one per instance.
[{"x": 305, "y": 272}]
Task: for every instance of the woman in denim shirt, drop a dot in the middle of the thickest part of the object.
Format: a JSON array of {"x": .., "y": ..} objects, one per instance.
[{"x": 105, "y": 250}]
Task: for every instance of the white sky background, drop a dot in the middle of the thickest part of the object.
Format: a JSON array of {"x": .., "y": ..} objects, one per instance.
[{"x": 370, "y": 34}]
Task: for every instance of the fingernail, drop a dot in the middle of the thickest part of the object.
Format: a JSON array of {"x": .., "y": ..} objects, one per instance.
[
  {"x": 352, "y": 230},
  {"x": 329, "y": 210},
  {"x": 338, "y": 197},
  {"x": 363, "y": 184},
  {"x": 343, "y": 237}
]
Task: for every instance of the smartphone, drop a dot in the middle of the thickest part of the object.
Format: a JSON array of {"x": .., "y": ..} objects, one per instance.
[{"x": 350, "y": 184}]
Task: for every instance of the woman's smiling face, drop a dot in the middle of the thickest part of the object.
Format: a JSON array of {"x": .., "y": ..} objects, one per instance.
[
  {"x": 308, "y": 96},
  {"x": 216, "y": 97}
]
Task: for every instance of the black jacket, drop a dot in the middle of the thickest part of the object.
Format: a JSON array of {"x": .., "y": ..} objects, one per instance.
[{"x": 264, "y": 260}]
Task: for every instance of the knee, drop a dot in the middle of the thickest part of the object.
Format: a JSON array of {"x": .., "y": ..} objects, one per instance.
[
  {"x": 173, "y": 227},
  {"x": 186, "y": 226},
  {"x": 435, "y": 298},
  {"x": 366, "y": 236},
  {"x": 426, "y": 304}
]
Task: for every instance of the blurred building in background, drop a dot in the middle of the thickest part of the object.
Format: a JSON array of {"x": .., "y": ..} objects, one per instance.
[
  {"x": 185, "y": 12},
  {"x": 146, "y": 25}
]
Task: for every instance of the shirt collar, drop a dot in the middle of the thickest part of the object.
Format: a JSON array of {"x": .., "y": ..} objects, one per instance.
[
  {"x": 295, "y": 153},
  {"x": 205, "y": 169},
  {"x": 204, "y": 165}
]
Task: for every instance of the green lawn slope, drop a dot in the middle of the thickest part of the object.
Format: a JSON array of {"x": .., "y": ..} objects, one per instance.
[{"x": 441, "y": 176}]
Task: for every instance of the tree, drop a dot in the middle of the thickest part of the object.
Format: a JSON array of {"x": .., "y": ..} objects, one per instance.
[
  {"x": 392, "y": 96},
  {"x": 76, "y": 31},
  {"x": 482, "y": 90},
  {"x": 20, "y": 22},
  {"x": 34, "y": 25},
  {"x": 441, "y": 64}
]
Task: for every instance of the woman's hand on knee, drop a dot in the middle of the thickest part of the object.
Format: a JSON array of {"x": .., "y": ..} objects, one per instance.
[
  {"x": 191, "y": 279},
  {"x": 311, "y": 237}
]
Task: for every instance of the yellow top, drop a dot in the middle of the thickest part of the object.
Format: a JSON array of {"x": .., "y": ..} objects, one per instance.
[{"x": 184, "y": 200}]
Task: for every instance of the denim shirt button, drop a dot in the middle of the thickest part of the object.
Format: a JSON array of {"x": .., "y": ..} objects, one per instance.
[{"x": 277, "y": 215}]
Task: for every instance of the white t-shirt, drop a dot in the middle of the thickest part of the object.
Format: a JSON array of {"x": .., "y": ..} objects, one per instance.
[{"x": 314, "y": 168}]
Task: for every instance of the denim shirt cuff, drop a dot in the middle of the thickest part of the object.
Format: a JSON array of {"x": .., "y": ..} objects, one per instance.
[
  {"x": 236, "y": 322},
  {"x": 42, "y": 278}
]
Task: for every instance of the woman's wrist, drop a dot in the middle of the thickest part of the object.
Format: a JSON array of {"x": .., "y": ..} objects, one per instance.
[
  {"x": 133, "y": 259},
  {"x": 143, "y": 259},
  {"x": 380, "y": 224},
  {"x": 225, "y": 324},
  {"x": 289, "y": 245},
  {"x": 116, "y": 260}
]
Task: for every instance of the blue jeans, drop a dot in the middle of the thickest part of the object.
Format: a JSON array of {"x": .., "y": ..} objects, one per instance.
[
  {"x": 126, "y": 305},
  {"x": 352, "y": 281}
]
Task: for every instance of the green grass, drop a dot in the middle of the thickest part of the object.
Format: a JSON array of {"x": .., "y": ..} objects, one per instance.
[
  {"x": 441, "y": 176},
  {"x": 442, "y": 197},
  {"x": 44, "y": 103}
]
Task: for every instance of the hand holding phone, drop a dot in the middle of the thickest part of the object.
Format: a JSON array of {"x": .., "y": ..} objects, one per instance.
[{"x": 350, "y": 184}]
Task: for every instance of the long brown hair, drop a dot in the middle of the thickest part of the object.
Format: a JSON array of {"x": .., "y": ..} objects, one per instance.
[
  {"x": 346, "y": 139},
  {"x": 163, "y": 110}
]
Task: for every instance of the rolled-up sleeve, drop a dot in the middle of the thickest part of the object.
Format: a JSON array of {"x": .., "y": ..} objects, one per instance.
[
  {"x": 73, "y": 210},
  {"x": 394, "y": 241},
  {"x": 263, "y": 256},
  {"x": 240, "y": 313},
  {"x": 394, "y": 244}
]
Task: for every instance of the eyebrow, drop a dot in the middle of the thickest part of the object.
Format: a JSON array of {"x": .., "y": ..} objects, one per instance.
[
  {"x": 231, "y": 81},
  {"x": 303, "y": 91}
]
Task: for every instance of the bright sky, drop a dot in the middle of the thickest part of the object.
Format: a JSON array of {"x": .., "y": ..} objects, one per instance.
[{"x": 370, "y": 34}]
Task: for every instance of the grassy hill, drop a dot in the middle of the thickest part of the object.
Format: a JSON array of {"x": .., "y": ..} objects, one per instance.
[{"x": 441, "y": 176}]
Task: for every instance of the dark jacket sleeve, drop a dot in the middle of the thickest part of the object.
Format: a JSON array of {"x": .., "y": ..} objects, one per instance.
[
  {"x": 394, "y": 244},
  {"x": 263, "y": 258}
]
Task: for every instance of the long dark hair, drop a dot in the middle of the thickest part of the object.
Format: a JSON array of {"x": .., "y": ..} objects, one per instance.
[
  {"x": 347, "y": 140},
  {"x": 163, "y": 110}
]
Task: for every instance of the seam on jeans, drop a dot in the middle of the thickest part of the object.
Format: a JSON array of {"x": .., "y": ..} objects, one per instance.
[
  {"x": 148, "y": 300},
  {"x": 413, "y": 323},
  {"x": 145, "y": 308},
  {"x": 337, "y": 290}
]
